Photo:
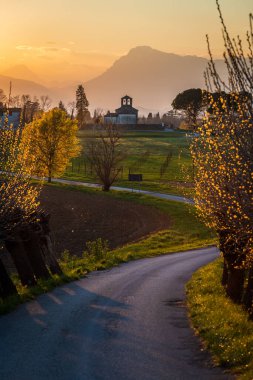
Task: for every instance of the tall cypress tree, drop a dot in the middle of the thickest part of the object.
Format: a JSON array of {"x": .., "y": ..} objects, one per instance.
[{"x": 82, "y": 107}]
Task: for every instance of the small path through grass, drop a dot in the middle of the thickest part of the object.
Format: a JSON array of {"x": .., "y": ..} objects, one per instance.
[{"x": 170, "y": 197}]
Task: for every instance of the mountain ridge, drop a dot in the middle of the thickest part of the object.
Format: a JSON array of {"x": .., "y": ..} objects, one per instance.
[
  {"x": 21, "y": 71},
  {"x": 22, "y": 86},
  {"x": 152, "y": 77}
]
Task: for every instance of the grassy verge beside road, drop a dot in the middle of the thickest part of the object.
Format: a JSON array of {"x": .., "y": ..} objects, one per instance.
[
  {"x": 186, "y": 232},
  {"x": 224, "y": 327}
]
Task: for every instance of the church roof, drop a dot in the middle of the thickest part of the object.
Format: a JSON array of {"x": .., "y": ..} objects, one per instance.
[
  {"x": 111, "y": 114},
  {"x": 126, "y": 97},
  {"x": 127, "y": 109}
]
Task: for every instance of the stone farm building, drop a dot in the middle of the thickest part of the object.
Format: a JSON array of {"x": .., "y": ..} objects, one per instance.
[{"x": 126, "y": 114}]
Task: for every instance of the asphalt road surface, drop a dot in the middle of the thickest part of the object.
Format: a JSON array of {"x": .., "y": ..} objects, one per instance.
[{"x": 127, "y": 323}]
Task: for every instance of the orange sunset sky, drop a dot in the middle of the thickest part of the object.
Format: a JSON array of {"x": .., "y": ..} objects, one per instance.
[{"x": 60, "y": 39}]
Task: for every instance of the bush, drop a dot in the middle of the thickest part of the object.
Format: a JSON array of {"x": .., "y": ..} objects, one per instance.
[{"x": 97, "y": 249}]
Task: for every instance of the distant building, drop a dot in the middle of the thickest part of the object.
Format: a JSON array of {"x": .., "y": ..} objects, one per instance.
[
  {"x": 126, "y": 114},
  {"x": 13, "y": 115}
]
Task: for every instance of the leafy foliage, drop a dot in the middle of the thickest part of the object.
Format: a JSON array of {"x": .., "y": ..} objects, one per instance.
[
  {"x": 53, "y": 142},
  {"x": 223, "y": 157},
  {"x": 18, "y": 198},
  {"x": 97, "y": 249},
  {"x": 191, "y": 102}
]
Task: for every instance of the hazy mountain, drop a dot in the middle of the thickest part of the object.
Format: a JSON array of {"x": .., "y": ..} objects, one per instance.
[
  {"x": 21, "y": 86},
  {"x": 153, "y": 78},
  {"x": 61, "y": 75},
  {"x": 21, "y": 72}
]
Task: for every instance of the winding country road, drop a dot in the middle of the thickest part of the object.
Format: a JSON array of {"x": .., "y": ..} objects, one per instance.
[{"x": 128, "y": 323}]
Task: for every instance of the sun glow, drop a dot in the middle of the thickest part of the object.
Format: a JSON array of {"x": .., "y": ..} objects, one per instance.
[{"x": 62, "y": 39}]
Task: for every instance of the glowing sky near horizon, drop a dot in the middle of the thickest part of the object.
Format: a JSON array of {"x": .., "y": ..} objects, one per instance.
[{"x": 44, "y": 34}]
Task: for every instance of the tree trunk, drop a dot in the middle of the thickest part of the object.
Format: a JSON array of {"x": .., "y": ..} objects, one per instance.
[
  {"x": 224, "y": 279},
  {"x": 235, "y": 283},
  {"x": 47, "y": 246},
  {"x": 222, "y": 246},
  {"x": 33, "y": 250},
  {"x": 248, "y": 295},
  {"x": 106, "y": 187},
  {"x": 7, "y": 287},
  {"x": 233, "y": 273},
  {"x": 21, "y": 261},
  {"x": 49, "y": 256},
  {"x": 49, "y": 178}
]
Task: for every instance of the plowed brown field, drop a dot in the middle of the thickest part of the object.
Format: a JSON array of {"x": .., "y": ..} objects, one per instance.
[{"x": 78, "y": 217}]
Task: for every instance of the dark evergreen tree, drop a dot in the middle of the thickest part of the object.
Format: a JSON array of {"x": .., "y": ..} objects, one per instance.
[
  {"x": 82, "y": 104},
  {"x": 61, "y": 106}
]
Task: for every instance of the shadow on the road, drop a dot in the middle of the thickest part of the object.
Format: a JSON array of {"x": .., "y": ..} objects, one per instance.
[
  {"x": 78, "y": 332},
  {"x": 50, "y": 304}
]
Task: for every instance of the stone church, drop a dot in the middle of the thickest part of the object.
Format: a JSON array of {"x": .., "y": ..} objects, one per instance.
[{"x": 126, "y": 114}]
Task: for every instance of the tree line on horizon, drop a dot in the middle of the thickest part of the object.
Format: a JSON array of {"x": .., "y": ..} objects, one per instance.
[
  {"x": 33, "y": 107},
  {"x": 194, "y": 103}
]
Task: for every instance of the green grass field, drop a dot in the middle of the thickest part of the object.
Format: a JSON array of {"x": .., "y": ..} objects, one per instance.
[
  {"x": 145, "y": 153},
  {"x": 224, "y": 326}
]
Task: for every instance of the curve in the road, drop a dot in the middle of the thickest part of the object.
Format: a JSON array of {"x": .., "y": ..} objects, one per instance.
[{"x": 127, "y": 323}]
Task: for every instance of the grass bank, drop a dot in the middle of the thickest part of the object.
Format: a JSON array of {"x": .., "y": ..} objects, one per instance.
[
  {"x": 186, "y": 232},
  {"x": 224, "y": 327}
]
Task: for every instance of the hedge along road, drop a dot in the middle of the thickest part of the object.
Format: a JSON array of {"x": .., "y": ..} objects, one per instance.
[{"x": 126, "y": 323}]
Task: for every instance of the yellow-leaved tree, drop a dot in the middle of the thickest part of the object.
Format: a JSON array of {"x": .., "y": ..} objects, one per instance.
[
  {"x": 53, "y": 142},
  {"x": 18, "y": 204},
  {"x": 222, "y": 155}
]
